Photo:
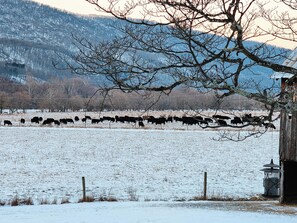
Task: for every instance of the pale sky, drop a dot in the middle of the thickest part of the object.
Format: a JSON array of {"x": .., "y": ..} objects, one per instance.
[
  {"x": 85, "y": 8},
  {"x": 75, "y": 6}
]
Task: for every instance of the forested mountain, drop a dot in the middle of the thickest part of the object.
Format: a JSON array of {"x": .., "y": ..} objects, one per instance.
[{"x": 31, "y": 35}]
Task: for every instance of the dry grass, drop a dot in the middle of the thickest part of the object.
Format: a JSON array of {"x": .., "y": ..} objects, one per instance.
[
  {"x": 16, "y": 201},
  {"x": 87, "y": 199},
  {"x": 252, "y": 204},
  {"x": 228, "y": 198}
]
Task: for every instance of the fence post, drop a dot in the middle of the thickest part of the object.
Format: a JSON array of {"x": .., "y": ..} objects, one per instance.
[
  {"x": 84, "y": 188},
  {"x": 205, "y": 186}
]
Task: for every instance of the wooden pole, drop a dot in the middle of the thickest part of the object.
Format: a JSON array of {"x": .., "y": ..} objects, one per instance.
[
  {"x": 205, "y": 186},
  {"x": 84, "y": 188}
]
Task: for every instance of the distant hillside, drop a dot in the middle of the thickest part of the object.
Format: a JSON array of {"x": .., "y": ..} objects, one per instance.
[{"x": 31, "y": 35}]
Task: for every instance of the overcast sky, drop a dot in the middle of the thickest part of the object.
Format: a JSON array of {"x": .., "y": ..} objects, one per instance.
[{"x": 83, "y": 7}]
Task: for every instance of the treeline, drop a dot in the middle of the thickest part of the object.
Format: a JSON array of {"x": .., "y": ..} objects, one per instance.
[{"x": 74, "y": 94}]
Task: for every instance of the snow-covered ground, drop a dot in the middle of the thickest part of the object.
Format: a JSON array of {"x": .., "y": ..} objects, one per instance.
[
  {"x": 140, "y": 212},
  {"x": 128, "y": 164},
  {"x": 156, "y": 166}
]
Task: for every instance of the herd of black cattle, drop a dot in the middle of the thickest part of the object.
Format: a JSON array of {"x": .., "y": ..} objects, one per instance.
[{"x": 204, "y": 122}]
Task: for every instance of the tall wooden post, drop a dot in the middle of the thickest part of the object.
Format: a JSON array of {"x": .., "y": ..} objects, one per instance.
[
  {"x": 205, "y": 186},
  {"x": 84, "y": 188}
]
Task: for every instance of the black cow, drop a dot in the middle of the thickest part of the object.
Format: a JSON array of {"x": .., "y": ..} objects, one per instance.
[
  {"x": 7, "y": 122},
  {"x": 140, "y": 124},
  {"x": 48, "y": 121},
  {"x": 148, "y": 118},
  {"x": 126, "y": 119},
  {"x": 96, "y": 120},
  {"x": 86, "y": 118},
  {"x": 222, "y": 122},
  {"x": 69, "y": 120},
  {"x": 120, "y": 119},
  {"x": 198, "y": 117},
  {"x": 63, "y": 121},
  {"x": 36, "y": 120},
  {"x": 22, "y": 121},
  {"x": 107, "y": 118},
  {"x": 269, "y": 125},
  {"x": 255, "y": 120},
  {"x": 236, "y": 120},
  {"x": 177, "y": 119},
  {"x": 221, "y": 117},
  {"x": 169, "y": 119},
  {"x": 76, "y": 118},
  {"x": 160, "y": 121},
  {"x": 157, "y": 121},
  {"x": 56, "y": 122},
  {"x": 190, "y": 120},
  {"x": 208, "y": 120}
]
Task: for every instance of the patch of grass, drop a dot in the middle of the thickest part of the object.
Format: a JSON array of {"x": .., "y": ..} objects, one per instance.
[
  {"x": 16, "y": 201},
  {"x": 197, "y": 198},
  {"x": 219, "y": 197},
  {"x": 27, "y": 201},
  {"x": 87, "y": 199}
]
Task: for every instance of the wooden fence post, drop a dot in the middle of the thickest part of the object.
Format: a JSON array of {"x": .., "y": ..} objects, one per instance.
[
  {"x": 84, "y": 188},
  {"x": 205, "y": 186}
]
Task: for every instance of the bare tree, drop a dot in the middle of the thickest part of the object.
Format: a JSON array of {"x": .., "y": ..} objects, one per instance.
[
  {"x": 20, "y": 100},
  {"x": 201, "y": 44},
  {"x": 4, "y": 98},
  {"x": 204, "y": 45}
]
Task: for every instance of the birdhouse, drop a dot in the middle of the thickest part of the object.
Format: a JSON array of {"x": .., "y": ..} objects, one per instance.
[{"x": 271, "y": 179}]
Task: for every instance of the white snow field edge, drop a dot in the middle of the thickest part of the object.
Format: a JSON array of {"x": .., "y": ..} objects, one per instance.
[{"x": 138, "y": 212}]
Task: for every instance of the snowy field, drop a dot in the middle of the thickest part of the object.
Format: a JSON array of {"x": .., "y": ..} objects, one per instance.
[
  {"x": 129, "y": 164},
  {"x": 158, "y": 166}
]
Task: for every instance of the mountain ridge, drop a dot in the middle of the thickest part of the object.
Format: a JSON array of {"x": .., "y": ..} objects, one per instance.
[{"x": 33, "y": 34}]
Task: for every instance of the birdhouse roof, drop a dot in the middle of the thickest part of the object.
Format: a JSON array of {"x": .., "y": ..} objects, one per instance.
[{"x": 291, "y": 61}]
